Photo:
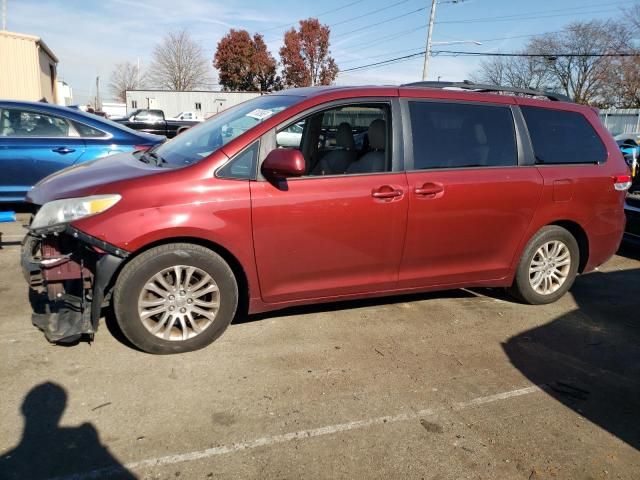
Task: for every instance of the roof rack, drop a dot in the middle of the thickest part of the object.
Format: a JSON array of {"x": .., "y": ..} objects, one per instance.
[{"x": 479, "y": 87}]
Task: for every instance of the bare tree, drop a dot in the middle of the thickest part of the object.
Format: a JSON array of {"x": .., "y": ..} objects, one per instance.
[
  {"x": 624, "y": 78},
  {"x": 580, "y": 61},
  {"x": 518, "y": 72},
  {"x": 178, "y": 63},
  {"x": 125, "y": 76},
  {"x": 585, "y": 75}
]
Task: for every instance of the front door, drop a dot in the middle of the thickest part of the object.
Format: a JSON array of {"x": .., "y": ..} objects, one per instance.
[
  {"x": 339, "y": 229},
  {"x": 470, "y": 202}
]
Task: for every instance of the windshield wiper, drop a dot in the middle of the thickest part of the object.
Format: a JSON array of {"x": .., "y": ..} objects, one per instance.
[{"x": 157, "y": 158}]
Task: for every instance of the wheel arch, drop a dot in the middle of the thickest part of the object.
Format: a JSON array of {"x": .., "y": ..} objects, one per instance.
[
  {"x": 236, "y": 267},
  {"x": 581, "y": 237}
]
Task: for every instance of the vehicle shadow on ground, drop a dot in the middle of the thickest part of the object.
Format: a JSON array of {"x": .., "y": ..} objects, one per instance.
[
  {"x": 47, "y": 450},
  {"x": 242, "y": 317},
  {"x": 589, "y": 359},
  {"x": 350, "y": 304}
]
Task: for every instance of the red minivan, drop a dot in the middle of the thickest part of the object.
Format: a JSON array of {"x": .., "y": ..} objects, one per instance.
[{"x": 322, "y": 194}]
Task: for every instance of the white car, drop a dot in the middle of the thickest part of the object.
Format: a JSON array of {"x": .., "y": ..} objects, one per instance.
[
  {"x": 291, "y": 137},
  {"x": 186, "y": 116}
]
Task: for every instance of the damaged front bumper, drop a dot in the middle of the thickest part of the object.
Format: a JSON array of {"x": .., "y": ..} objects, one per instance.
[{"x": 69, "y": 273}]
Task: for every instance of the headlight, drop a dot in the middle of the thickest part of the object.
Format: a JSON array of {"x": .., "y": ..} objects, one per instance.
[{"x": 60, "y": 212}]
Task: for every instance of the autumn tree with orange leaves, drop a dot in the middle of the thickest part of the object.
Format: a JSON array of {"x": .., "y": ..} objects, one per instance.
[
  {"x": 305, "y": 56},
  {"x": 245, "y": 64}
]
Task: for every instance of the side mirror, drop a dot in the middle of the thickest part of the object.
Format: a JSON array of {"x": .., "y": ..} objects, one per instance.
[{"x": 283, "y": 163}]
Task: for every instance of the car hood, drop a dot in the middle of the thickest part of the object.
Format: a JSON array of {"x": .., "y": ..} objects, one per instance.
[{"x": 85, "y": 178}]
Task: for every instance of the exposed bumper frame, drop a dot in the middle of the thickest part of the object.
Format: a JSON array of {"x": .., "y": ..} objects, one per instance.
[{"x": 68, "y": 305}]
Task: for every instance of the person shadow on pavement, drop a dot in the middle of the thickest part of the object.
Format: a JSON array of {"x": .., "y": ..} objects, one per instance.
[
  {"x": 589, "y": 359},
  {"x": 47, "y": 450}
]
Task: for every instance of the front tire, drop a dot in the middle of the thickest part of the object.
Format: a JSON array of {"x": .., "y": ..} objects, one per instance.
[
  {"x": 175, "y": 298},
  {"x": 548, "y": 266}
]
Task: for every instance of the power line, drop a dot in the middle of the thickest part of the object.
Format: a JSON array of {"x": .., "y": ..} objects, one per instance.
[
  {"x": 384, "y": 62},
  {"x": 484, "y": 40},
  {"x": 393, "y": 36},
  {"x": 380, "y": 23},
  {"x": 333, "y": 10},
  {"x": 445, "y": 53},
  {"x": 544, "y": 55},
  {"x": 405, "y": 50},
  {"x": 368, "y": 14},
  {"x": 539, "y": 14}
]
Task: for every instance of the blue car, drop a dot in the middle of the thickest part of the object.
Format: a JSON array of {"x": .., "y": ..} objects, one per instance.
[{"x": 38, "y": 139}]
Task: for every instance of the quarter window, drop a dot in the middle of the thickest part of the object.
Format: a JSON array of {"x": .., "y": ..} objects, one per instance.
[
  {"x": 560, "y": 136},
  {"x": 457, "y": 135},
  {"x": 86, "y": 131},
  {"x": 242, "y": 166}
]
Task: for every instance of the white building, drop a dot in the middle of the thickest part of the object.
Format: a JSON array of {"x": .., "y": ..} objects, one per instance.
[
  {"x": 65, "y": 93},
  {"x": 203, "y": 103},
  {"x": 114, "y": 109}
]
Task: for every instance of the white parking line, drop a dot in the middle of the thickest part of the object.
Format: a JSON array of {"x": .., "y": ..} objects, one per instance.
[{"x": 300, "y": 435}]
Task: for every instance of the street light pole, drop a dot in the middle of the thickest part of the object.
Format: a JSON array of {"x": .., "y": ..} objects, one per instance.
[{"x": 427, "y": 53}]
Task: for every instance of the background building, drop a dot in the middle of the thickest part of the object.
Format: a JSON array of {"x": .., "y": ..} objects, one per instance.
[
  {"x": 621, "y": 120},
  {"x": 28, "y": 68},
  {"x": 64, "y": 93},
  {"x": 203, "y": 103}
]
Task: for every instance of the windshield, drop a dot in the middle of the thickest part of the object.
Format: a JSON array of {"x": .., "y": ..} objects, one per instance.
[{"x": 199, "y": 142}]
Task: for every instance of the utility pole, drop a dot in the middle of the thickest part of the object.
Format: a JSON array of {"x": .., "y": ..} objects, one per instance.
[
  {"x": 97, "y": 106},
  {"x": 4, "y": 14},
  {"x": 427, "y": 53}
]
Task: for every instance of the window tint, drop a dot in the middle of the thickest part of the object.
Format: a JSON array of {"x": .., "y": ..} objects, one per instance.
[
  {"x": 21, "y": 123},
  {"x": 88, "y": 132},
  {"x": 350, "y": 139},
  {"x": 562, "y": 137},
  {"x": 455, "y": 135},
  {"x": 243, "y": 166}
]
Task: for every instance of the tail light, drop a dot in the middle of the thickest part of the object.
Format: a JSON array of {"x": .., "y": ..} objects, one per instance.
[
  {"x": 141, "y": 148},
  {"x": 622, "y": 182}
]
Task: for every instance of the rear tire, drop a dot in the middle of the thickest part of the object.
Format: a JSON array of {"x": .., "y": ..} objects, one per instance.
[
  {"x": 548, "y": 266},
  {"x": 175, "y": 298}
]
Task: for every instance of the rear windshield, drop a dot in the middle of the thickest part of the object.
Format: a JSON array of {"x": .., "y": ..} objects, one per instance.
[
  {"x": 562, "y": 137},
  {"x": 200, "y": 141}
]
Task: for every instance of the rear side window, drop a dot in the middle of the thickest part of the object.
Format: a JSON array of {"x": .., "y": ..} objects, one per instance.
[
  {"x": 561, "y": 137},
  {"x": 86, "y": 131},
  {"x": 457, "y": 135}
]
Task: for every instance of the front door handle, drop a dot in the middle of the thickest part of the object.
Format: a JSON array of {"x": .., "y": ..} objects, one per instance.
[
  {"x": 63, "y": 150},
  {"x": 386, "y": 192},
  {"x": 429, "y": 189}
]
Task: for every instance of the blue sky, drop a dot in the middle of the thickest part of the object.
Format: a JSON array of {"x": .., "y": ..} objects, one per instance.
[{"x": 90, "y": 36}]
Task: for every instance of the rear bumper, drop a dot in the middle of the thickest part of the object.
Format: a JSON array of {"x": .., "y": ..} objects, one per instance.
[{"x": 68, "y": 276}]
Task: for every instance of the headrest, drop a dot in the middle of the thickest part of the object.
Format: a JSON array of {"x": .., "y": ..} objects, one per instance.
[
  {"x": 344, "y": 137},
  {"x": 378, "y": 134}
]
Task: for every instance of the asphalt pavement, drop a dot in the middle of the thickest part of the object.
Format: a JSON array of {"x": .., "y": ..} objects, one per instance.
[{"x": 447, "y": 385}]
